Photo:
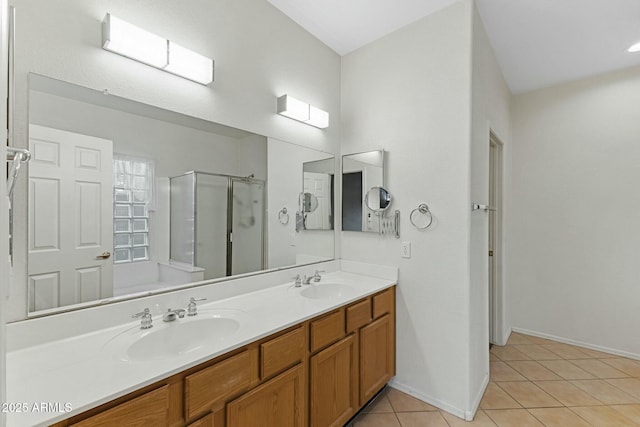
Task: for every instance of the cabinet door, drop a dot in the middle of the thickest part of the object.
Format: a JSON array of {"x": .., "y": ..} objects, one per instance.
[
  {"x": 276, "y": 403},
  {"x": 377, "y": 356},
  {"x": 333, "y": 384},
  {"x": 150, "y": 409}
]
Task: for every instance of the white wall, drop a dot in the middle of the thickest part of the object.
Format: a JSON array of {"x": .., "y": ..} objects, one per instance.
[
  {"x": 490, "y": 112},
  {"x": 410, "y": 93},
  {"x": 4, "y": 220},
  {"x": 575, "y": 233},
  {"x": 259, "y": 53}
]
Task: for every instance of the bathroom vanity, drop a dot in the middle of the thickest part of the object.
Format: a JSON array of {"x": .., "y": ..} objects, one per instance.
[{"x": 312, "y": 355}]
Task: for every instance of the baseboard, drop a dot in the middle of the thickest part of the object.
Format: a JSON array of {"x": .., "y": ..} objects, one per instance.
[
  {"x": 469, "y": 415},
  {"x": 506, "y": 336},
  {"x": 578, "y": 343},
  {"x": 460, "y": 413}
]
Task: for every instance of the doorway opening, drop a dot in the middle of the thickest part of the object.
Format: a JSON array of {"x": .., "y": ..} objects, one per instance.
[{"x": 496, "y": 313}]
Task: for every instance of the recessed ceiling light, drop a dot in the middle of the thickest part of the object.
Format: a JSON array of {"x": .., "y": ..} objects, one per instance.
[{"x": 634, "y": 48}]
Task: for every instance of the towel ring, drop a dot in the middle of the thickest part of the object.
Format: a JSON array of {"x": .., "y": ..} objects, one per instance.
[
  {"x": 283, "y": 216},
  {"x": 424, "y": 210}
]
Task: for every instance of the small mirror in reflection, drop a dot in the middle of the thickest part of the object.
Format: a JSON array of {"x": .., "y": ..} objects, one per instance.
[{"x": 378, "y": 199}]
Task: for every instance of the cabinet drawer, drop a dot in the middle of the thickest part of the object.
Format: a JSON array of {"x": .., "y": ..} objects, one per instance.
[
  {"x": 358, "y": 315},
  {"x": 281, "y": 353},
  {"x": 383, "y": 303},
  {"x": 214, "y": 385},
  {"x": 327, "y": 330},
  {"x": 150, "y": 409}
]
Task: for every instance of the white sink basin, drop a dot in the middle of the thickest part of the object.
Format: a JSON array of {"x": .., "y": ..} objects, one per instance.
[
  {"x": 177, "y": 338},
  {"x": 326, "y": 290}
]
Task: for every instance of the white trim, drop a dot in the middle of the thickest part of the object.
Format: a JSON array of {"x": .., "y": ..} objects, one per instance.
[
  {"x": 506, "y": 336},
  {"x": 578, "y": 343},
  {"x": 469, "y": 415},
  {"x": 460, "y": 413}
]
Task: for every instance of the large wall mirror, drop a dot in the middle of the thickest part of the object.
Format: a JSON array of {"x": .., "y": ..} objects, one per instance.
[
  {"x": 360, "y": 173},
  {"x": 127, "y": 199}
]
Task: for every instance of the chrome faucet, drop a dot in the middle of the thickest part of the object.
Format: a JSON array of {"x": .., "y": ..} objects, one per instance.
[
  {"x": 298, "y": 281},
  {"x": 192, "y": 309},
  {"x": 316, "y": 276},
  {"x": 145, "y": 319},
  {"x": 171, "y": 315},
  {"x": 307, "y": 280}
]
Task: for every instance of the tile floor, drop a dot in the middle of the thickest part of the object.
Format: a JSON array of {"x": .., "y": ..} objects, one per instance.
[{"x": 534, "y": 382}]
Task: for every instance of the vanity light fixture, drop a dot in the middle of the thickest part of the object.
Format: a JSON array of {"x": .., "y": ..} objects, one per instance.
[
  {"x": 125, "y": 39},
  {"x": 293, "y": 108},
  {"x": 634, "y": 48}
]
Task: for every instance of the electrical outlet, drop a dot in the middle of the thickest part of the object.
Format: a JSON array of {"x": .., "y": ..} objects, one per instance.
[{"x": 405, "y": 250}]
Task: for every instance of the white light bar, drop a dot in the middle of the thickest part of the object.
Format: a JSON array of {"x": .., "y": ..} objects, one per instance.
[
  {"x": 125, "y": 39},
  {"x": 634, "y": 48},
  {"x": 293, "y": 108}
]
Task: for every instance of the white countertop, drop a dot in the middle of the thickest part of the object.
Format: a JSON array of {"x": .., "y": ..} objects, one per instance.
[{"x": 74, "y": 374}]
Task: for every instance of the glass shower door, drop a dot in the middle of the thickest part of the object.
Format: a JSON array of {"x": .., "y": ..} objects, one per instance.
[
  {"x": 247, "y": 225},
  {"x": 211, "y": 214}
]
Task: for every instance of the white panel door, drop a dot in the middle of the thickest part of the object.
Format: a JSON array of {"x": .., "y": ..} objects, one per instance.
[
  {"x": 319, "y": 184},
  {"x": 70, "y": 218}
]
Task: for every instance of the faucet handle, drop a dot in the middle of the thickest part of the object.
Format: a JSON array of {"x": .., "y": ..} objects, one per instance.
[
  {"x": 298, "y": 280},
  {"x": 192, "y": 309},
  {"x": 316, "y": 276},
  {"x": 146, "y": 319}
]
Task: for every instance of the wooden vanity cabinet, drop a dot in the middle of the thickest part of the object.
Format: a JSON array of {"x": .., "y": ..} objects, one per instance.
[{"x": 318, "y": 373}]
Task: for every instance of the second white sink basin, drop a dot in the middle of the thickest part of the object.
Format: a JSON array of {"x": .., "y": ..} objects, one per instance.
[
  {"x": 177, "y": 338},
  {"x": 326, "y": 290}
]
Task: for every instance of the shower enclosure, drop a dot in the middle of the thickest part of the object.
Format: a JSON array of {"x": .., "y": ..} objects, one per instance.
[{"x": 217, "y": 223}]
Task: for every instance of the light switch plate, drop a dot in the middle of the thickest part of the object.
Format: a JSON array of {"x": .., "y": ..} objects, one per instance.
[{"x": 405, "y": 250}]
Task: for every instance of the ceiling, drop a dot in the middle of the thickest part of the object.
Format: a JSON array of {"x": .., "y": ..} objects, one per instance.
[{"x": 538, "y": 43}]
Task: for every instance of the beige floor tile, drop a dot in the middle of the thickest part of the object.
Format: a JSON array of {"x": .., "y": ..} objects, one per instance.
[
  {"x": 481, "y": 420},
  {"x": 628, "y": 385},
  {"x": 599, "y": 369},
  {"x": 538, "y": 340},
  {"x": 567, "y": 393},
  {"x": 517, "y": 338},
  {"x": 381, "y": 404},
  {"x": 605, "y": 392},
  {"x": 493, "y": 357},
  {"x": 603, "y": 416},
  {"x": 496, "y": 398},
  {"x": 597, "y": 354},
  {"x": 509, "y": 353},
  {"x": 537, "y": 352},
  {"x": 532, "y": 370},
  {"x": 628, "y": 366},
  {"x": 566, "y": 351},
  {"x": 558, "y": 417},
  {"x": 376, "y": 420},
  {"x": 402, "y": 402},
  {"x": 528, "y": 394},
  {"x": 421, "y": 419},
  {"x": 500, "y": 371},
  {"x": 630, "y": 411},
  {"x": 513, "y": 418},
  {"x": 566, "y": 369}
]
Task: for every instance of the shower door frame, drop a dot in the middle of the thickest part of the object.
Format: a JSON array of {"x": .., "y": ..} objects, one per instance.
[{"x": 230, "y": 179}]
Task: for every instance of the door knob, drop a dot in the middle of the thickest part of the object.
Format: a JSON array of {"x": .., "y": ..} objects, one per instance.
[{"x": 104, "y": 255}]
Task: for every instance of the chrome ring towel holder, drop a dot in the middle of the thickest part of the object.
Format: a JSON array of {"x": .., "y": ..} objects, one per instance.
[
  {"x": 422, "y": 209},
  {"x": 283, "y": 216}
]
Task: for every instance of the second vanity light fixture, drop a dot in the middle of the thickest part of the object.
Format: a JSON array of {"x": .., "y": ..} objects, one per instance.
[
  {"x": 125, "y": 39},
  {"x": 293, "y": 108}
]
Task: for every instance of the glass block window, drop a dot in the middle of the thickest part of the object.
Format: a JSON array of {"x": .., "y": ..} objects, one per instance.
[{"x": 133, "y": 180}]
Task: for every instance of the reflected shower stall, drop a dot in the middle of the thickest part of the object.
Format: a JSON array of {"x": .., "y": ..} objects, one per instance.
[{"x": 217, "y": 223}]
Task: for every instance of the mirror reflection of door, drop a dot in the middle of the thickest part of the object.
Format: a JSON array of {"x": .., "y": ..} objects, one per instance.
[
  {"x": 319, "y": 185},
  {"x": 352, "y": 201},
  {"x": 70, "y": 218}
]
